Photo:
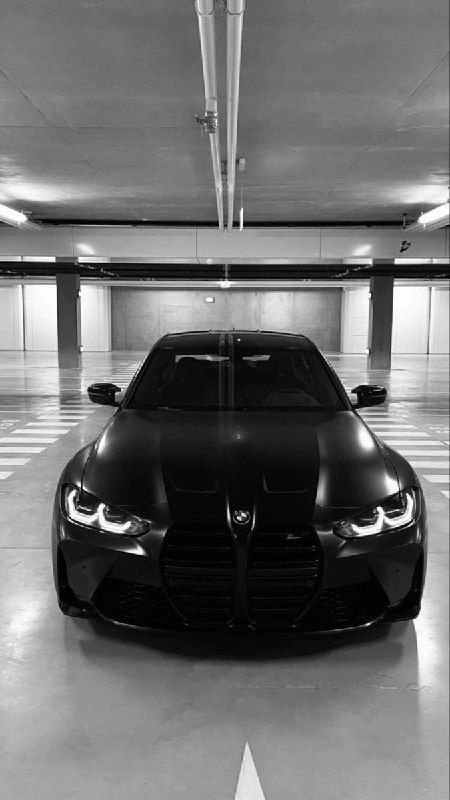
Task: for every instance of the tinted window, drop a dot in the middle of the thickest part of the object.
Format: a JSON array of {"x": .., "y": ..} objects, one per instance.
[
  {"x": 259, "y": 379},
  {"x": 288, "y": 378},
  {"x": 181, "y": 379}
]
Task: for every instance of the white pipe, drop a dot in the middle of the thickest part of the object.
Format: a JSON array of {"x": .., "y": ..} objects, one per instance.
[
  {"x": 235, "y": 18},
  {"x": 206, "y": 26}
]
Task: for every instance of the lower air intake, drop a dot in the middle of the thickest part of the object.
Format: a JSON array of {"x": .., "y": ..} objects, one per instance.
[
  {"x": 284, "y": 571},
  {"x": 345, "y": 607},
  {"x": 198, "y": 572},
  {"x": 134, "y": 604}
]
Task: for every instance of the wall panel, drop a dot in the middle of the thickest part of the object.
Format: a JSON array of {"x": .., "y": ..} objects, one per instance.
[
  {"x": 410, "y": 319},
  {"x": 11, "y": 318},
  {"x": 40, "y": 316},
  {"x": 439, "y": 324},
  {"x": 141, "y": 316}
]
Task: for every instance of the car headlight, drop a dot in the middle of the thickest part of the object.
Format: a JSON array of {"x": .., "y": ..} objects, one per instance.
[
  {"x": 85, "y": 509},
  {"x": 395, "y": 512}
]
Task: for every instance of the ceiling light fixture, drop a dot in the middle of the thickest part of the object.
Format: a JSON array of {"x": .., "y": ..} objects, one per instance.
[
  {"x": 438, "y": 217},
  {"x": 16, "y": 218}
]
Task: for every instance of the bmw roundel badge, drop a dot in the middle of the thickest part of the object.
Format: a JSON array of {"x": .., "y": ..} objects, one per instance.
[{"x": 241, "y": 516}]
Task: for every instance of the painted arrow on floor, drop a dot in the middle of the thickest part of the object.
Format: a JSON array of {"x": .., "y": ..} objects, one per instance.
[{"x": 249, "y": 787}]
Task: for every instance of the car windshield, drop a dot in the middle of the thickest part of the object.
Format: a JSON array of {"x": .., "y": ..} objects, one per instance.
[{"x": 246, "y": 378}]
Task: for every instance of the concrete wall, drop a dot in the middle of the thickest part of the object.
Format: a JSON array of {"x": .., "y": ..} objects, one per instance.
[
  {"x": 11, "y": 318},
  {"x": 96, "y": 318},
  {"x": 141, "y": 316},
  {"x": 40, "y": 317},
  {"x": 355, "y": 320},
  {"x": 411, "y": 320},
  {"x": 439, "y": 327}
]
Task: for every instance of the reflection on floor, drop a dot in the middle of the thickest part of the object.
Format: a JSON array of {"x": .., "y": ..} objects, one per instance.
[{"x": 94, "y": 712}]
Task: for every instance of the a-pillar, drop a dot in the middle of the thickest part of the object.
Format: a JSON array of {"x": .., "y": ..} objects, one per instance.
[
  {"x": 68, "y": 317},
  {"x": 380, "y": 324}
]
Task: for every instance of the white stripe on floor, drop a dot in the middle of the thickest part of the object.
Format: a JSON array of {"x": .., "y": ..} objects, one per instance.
[
  {"x": 43, "y": 425},
  {"x": 22, "y": 449},
  {"x": 444, "y": 478},
  {"x": 430, "y": 464},
  {"x": 446, "y": 494},
  {"x": 415, "y": 434},
  {"x": 57, "y": 418},
  {"x": 13, "y": 462},
  {"x": 23, "y": 440},
  {"x": 391, "y": 426},
  {"x": 59, "y": 431},
  {"x": 438, "y": 453},
  {"x": 405, "y": 442},
  {"x": 4, "y": 475}
]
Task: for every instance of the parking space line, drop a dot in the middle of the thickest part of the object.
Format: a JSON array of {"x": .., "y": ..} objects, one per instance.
[
  {"x": 22, "y": 449},
  {"x": 4, "y": 475},
  {"x": 404, "y": 442},
  {"x": 44, "y": 425},
  {"x": 23, "y": 440},
  {"x": 431, "y": 464},
  {"x": 13, "y": 462},
  {"x": 444, "y": 478},
  {"x": 59, "y": 431}
]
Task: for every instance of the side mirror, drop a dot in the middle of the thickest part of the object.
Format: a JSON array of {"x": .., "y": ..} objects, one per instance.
[
  {"x": 369, "y": 395},
  {"x": 103, "y": 393}
]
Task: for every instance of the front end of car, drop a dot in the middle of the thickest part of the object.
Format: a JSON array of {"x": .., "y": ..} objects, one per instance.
[{"x": 335, "y": 572}]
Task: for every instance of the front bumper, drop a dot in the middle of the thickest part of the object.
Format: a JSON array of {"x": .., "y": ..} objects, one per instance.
[{"x": 124, "y": 581}]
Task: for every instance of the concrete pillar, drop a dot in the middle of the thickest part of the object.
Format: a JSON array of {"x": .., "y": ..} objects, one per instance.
[
  {"x": 68, "y": 318},
  {"x": 380, "y": 322}
]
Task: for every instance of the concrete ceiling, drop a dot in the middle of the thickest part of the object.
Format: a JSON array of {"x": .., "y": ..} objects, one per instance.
[{"x": 343, "y": 114}]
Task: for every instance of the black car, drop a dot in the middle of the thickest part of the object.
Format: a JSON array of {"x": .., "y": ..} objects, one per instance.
[{"x": 237, "y": 486}]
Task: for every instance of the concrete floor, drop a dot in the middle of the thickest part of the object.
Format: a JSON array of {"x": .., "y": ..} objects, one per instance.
[{"x": 92, "y": 713}]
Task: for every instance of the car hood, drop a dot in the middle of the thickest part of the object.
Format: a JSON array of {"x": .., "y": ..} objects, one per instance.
[{"x": 281, "y": 466}]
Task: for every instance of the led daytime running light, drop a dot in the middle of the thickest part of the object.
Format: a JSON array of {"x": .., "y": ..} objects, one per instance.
[
  {"x": 97, "y": 516},
  {"x": 384, "y": 521}
]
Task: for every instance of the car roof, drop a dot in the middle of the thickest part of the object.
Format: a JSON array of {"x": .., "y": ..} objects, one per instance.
[{"x": 273, "y": 339}]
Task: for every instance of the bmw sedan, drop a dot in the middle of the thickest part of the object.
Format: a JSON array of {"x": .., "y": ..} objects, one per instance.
[{"x": 236, "y": 486}]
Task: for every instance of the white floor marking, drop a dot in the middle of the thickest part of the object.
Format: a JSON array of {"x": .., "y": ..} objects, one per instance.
[
  {"x": 42, "y": 425},
  {"x": 13, "y": 462},
  {"x": 4, "y": 475},
  {"x": 405, "y": 442},
  {"x": 249, "y": 786},
  {"x": 415, "y": 434},
  {"x": 438, "y": 478},
  {"x": 22, "y": 449},
  {"x": 63, "y": 419},
  {"x": 392, "y": 426},
  {"x": 22, "y": 440},
  {"x": 438, "y": 453},
  {"x": 430, "y": 464},
  {"x": 446, "y": 494},
  {"x": 40, "y": 431}
]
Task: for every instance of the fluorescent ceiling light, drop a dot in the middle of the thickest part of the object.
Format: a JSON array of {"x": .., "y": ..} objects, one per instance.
[
  {"x": 438, "y": 214},
  {"x": 16, "y": 218},
  {"x": 11, "y": 216},
  {"x": 438, "y": 217}
]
